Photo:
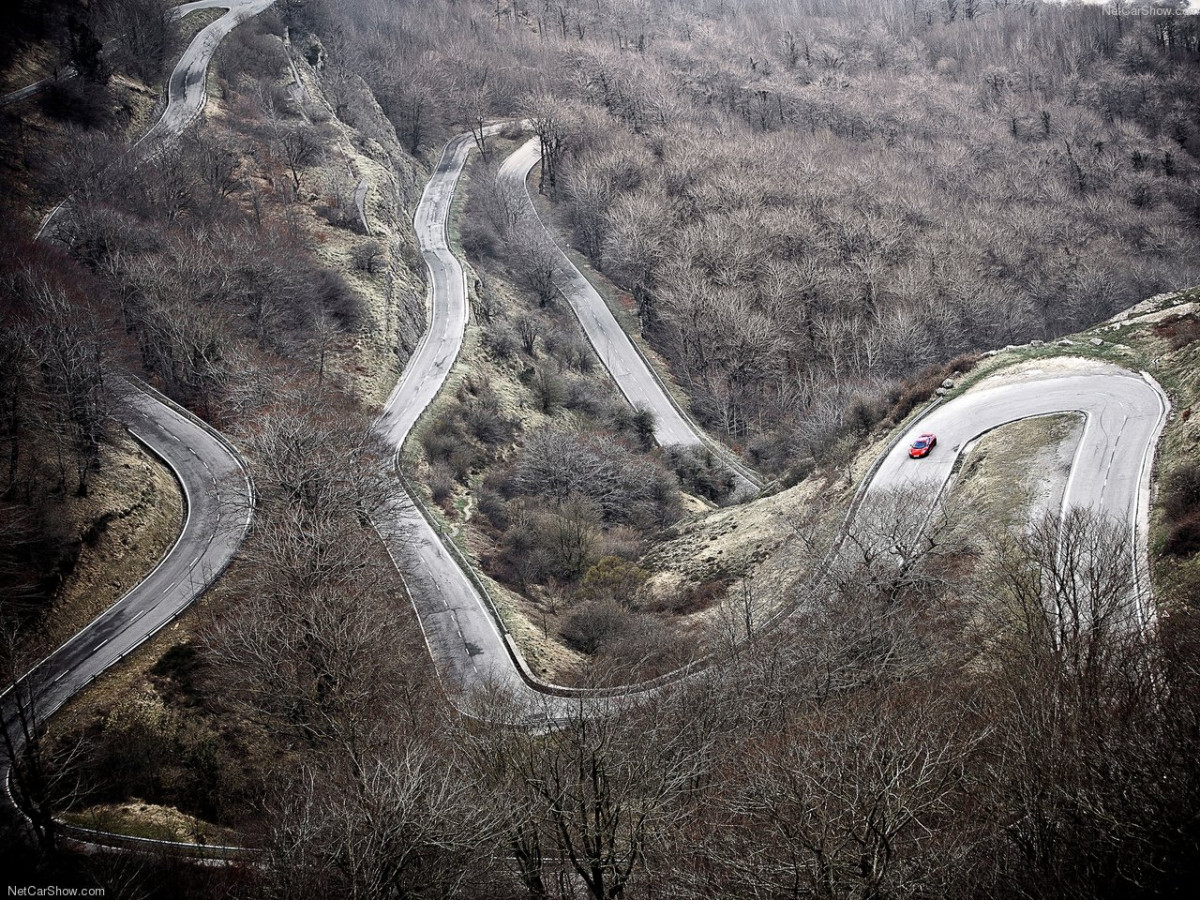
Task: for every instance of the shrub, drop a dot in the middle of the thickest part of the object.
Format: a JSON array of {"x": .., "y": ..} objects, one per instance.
[
  {"x": 493, "y": 507},
  {"x": 595, "y": 626},
  {"x": 626, "y": 488},
  {"x": 1180, "y": 499},
  {"x": 1181, "y": 491},
  {"x": 549, "y": 389},
  {"x": 566, "y": 538},
  {"x": 613, "y": 580},
  {"x": 80, "y": 101},
  {"x": 699, "y": 472},
  {"x": 1178, "y": 331},
  {"x": 441, "y": 484},
  {"x": 340, "y": 301},
  {"x": 643, "y": 427},
  {"x": 501, "y": 341},
  {"x": 478, "y": 239},
  {"x": 368, "y": 257},
  {"x": 583, "y": 396},
  {"x": 487, "y": 424},
  {"x": 442, "y": 438},
  {"x": 1184, "y": 538}
]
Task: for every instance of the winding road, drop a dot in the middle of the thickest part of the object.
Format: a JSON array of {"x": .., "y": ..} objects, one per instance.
[
  {"x": 218, "y": 494},
  {"x": 466, "y": 643},
  {"x": 1125, "y": 414},
  {"x": 186, "y": 92},
  {"x": 218, "y": 502}
]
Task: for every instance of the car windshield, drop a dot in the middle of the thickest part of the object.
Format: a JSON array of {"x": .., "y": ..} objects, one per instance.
[{"x": 918, "y": 443}]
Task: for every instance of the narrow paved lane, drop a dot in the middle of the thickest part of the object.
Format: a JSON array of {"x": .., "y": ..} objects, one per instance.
[
  {"x": 218, "y": 505},
  {"x": 1124, "y": 416},
  {"x": 464, "y": 637},
  {"x": 629, "y": 370},
  {"x": 217, "y": 490}
]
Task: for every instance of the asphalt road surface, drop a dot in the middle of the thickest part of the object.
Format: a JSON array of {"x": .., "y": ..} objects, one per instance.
[
  {"x": 464, "y": 639},
  {"x": 1124, "y": 415},
  {"x": 218, "y": 500},
  {"x": 633, "y": 376},
  {"x": 217, "y": 488},
  {"x": 186, "y": 87}
]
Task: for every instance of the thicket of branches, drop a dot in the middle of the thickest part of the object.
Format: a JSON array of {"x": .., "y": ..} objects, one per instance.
[{"x": 913, "y": 731}]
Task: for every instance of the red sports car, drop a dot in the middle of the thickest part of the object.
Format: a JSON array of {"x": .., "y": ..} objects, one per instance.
[{"x": 922, "y": 445}]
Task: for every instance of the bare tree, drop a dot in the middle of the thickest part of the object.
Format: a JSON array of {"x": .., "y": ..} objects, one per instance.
[
  {"x": 590, "y": 800},
  {"x": 401, "y": 820},
  {"x": 67, "y": 345},
  {"x": 300, "y": 146}
]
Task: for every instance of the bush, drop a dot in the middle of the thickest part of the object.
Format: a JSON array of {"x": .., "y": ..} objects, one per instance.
[
  {"x": 1180, "y": 499},
  {"x": 340, "y": 301},
  {"x": 595, "y": 626},
  {"x": 442, "y": 438},
  {"x": 643, "y": 427},
  {"x": 493, "y": 507},
  {"x": 613, "y": 580},
  {"x": 1181, "y": 491},
  {"x": 501, "y": 342},
  {"x": 441, "y": 484},
  {"x": 478, "y": 239},
  {"x": 912, "y": 392},
  {"x": 1178, "y": 331},
  {"x": 583, "y": 396},
  {"x": 369, "y": 257},
  {"x": 626, "y": 488},
  {"x": 566, "y": 538},
  {"x": 549, "y": 389},
  {"x": 1184, "y": 538},
  {"x": 699, "y": 472},
  {"x": 487, "y": 424},
  {"x": 257, "y": 56}
]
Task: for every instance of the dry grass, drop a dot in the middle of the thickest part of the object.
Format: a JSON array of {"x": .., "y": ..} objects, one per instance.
[
  {"x": 1014, "y": 473},
  {"x": 148, "y": 820},
  {"x": 130, "y": 518}
]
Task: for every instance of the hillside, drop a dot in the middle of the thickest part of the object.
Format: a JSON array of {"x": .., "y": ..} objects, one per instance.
[{"x": 826, "y": 226}]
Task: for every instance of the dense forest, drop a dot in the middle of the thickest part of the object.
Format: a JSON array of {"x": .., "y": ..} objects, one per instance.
[
  {"x": 809, "y": 200},
  {"x": 813, "y": 207}
]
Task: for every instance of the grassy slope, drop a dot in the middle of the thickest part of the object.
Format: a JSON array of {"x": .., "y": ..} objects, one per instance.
[{"x": 130, "y": 518}]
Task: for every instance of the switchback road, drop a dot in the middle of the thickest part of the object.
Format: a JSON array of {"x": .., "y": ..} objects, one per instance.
[
  {"x": 217, "y": 490},
  {"x": 464, "y": 637},
  {"x": 1124, "y": 415}
]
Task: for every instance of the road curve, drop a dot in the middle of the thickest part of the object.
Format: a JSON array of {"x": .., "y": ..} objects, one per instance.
[
  {"x": 217, "y": 489},
  {"x": 469, "y": 650},
  {"x": 186, "y": 92},
  {"x": 218, "y": 503},
  {"x": 186, "y": 88},
  {"x": 1124, "y": 415},
  {"x": 1124, "y": 412},
  {"x": 628, "y": 368}
]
